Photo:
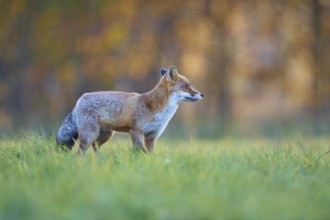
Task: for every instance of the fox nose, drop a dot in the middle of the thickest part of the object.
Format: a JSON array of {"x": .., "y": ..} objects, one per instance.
[{"x": 202, "y": 95}]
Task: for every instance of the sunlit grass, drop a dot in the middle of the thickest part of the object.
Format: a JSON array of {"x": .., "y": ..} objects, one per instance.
[{"x": 195, "y": 179}]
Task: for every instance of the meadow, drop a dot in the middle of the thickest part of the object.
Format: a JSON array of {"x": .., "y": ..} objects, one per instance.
[{"x": 229, "y": 178}]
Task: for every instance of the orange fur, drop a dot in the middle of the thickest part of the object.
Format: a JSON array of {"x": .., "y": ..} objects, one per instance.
[{"x": 157, "y": 98}]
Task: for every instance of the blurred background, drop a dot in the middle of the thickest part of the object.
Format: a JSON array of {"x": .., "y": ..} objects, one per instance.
[{"x": 263, "y": 65}]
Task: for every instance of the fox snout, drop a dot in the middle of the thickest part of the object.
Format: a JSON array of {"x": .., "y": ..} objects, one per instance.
[
  {"x": 194, "y": 96},
  {"x": 198, "y": 96},
  {"x": 190, "y": 94}
]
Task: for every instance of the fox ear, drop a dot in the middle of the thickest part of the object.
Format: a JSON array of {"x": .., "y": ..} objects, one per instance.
[
  {"x": 172, "y": 73},
  {"x": 163, "y": 71}
]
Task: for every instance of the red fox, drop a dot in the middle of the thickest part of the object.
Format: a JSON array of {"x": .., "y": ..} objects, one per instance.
[{"x": 98, "y": 115}]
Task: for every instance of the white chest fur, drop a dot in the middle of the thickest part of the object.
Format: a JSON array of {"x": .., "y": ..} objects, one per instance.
[{"x": 160, "y": 120}]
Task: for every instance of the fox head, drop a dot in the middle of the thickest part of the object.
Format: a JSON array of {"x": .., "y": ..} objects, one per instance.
[{"x": 179, "y": 86}]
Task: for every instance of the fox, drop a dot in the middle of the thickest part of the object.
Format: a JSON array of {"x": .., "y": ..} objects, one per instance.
[{"x": 98, "y": 115}]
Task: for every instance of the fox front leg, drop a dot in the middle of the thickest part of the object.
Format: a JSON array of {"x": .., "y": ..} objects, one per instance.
[
  {"x": 137, "y": 139},
  {"x": 150, "y": 143}
]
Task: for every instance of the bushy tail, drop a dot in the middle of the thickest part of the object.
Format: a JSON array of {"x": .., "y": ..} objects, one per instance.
[{"x": 68, "y": 132}]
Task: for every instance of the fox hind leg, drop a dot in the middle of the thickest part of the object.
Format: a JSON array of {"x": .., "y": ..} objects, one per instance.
[
  {"x": 88, "y": 137},
  {"x": 103, "y": 137}
]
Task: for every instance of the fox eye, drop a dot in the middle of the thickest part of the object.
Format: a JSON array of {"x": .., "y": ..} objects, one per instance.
[{"x": 186, "y": 86}]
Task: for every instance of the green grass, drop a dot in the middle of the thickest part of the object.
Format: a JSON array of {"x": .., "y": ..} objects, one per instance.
[{"x": 193, "y": 179}]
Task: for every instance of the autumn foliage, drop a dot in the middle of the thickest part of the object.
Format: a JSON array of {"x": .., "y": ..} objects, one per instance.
[{"x": 255, "y": 61}]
